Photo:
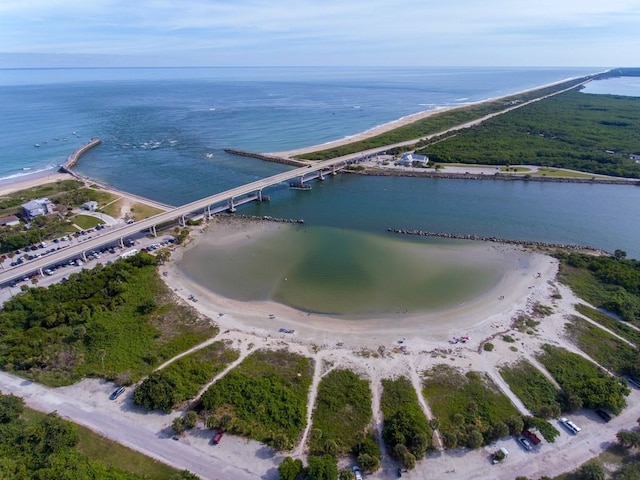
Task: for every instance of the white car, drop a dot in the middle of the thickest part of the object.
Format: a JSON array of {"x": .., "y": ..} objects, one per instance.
[
  {"x": 356, "y": 472},
  {"x": 572, "y": 427}
]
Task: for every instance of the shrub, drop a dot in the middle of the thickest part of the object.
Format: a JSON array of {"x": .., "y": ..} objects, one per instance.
[{"x": 488, "y": 347}]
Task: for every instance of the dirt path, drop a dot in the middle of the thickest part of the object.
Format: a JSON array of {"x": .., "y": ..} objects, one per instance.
[
  {"x": 416, "y": 381},
  {"x": 200, "y": 346},
  {"x": 243, "y": 354},
  {"x": 311, "y": 401}
]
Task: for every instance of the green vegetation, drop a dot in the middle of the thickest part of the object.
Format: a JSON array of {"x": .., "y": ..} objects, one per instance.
[
  {"x": 43, "y": 228},
  {"x": 404, "y": 421},
  {"x": 621, "y": 328},
  {"x": 534, "y": 389},
  {"x": 117, "y": 321},
  {"x": 570, "y": 130},
  {"x": 45, "y": 446},
  {"x": 611, "y": 283},
  {"x": 264, "y": 398},
  {"x": 182, "y": 379},
  {"x": 323, "y": 467},
  {"x": 584, "y": 383},
  {"x": 76, "y": 198},
  {"x": 86, "y": 221},
  {"x": 289, "y": 469},
  {"x": 435, "y": 123},
  {"x": 470, "y": 409},
  {"x": 11, "y": 202},
  {"x": 609, "y": 351},
  {"x": 342, "y": 413},
  {"x": 488, "y": 346}
]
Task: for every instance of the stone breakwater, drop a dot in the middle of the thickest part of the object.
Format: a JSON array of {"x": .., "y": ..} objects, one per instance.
[
  {"x": 265, "y": 218},
  {"x": 75, "y": 156},
  {"x": 501, "y": 176},
  {"x": 523, "y": 243},
  {"x": 267, "y": 158}
]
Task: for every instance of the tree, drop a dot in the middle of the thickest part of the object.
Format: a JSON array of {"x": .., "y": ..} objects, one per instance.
[
  {"x": 475, "y": 439},
  {"x": 289, "y": 468},
  {"x": 163, "y": 255},
  {"x": 628, "y": 438},
  {"x": 620, "y": 254},
  {"x": 368, "y": 463},
  {"x": 190, "y": 419},
  {"x": 178, "y": 425},
  {"x": 449, "y": 440},
  {"x": 515, "y": 424},
  {"x": 322, "y": 468},
  {"x": 185, "y": 475},
  {"x": 591, "y": 471},
  {"x": 11, "y": 407}
]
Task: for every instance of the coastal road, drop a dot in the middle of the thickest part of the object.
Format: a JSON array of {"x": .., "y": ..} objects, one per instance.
[{"x": 114, "y": 422}]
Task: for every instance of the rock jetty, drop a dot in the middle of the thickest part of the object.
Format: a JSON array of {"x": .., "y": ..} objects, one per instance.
[
  {"x": 265, "y": 218},
  {"x": 524, "y": 243},
  {"x": 267, "y": 158}
]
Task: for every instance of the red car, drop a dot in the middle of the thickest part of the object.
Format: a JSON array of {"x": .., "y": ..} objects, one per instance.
[{"x": 217, "y": 437}]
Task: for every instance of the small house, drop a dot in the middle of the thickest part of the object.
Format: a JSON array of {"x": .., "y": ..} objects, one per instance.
[
  {"x": 635, "y": 157},
  {"x": 410, "y": 159},
  {"x": 9, "y": 221},
  {"x": 91, "y": 206}
]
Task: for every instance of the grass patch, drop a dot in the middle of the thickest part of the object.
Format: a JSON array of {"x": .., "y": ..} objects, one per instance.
[
  {"x": 467, "y": 403},
  {"x": 140, "y": 211},
  {"x": 609, "y": 351},
  {"x": 183, "y": 379},
  {"x": 610, "y": 283},
  {"x": 86, "y": 221},
  {"x": 117, "y": 321},
  {"x": 264, "y": 398},
  {"x": 11, "y": 202},
  {"x": 551, "y": 172},
  {"x": 617, "y": 326},
  {"x": 404, "y": 421},
  {"x": 584, "y": 383},
  {"x": 534, "y": 389},
  {"x": 342, "y": 413}
]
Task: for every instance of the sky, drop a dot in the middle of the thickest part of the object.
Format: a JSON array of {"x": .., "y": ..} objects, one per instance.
[{"x": 43, "y": 33}]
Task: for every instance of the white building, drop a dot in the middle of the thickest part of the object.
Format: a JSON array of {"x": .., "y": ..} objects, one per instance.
[
  {"x": 410, "y": 159},
  {"x": 91, "y": 205}
]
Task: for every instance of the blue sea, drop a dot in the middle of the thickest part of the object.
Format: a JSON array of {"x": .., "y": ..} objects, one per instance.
[{"x": 164, "y": 131}]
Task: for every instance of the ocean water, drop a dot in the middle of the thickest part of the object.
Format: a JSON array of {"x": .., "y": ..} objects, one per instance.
[
  {"x": 164, "y": 131},
  {"x": 169, "y": 123}
]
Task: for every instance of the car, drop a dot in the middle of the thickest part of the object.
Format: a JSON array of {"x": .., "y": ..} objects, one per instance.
[
  {"x": 217, "y": 437},
  {"x": 525, "y": 443},
  {"x": 116, "y": 393},
  {"x": 356, "y": 472},
  {"x": 569, "y": 425},
  {"x": 603, "y": 415},
  {"x": 634, "y": 382}
]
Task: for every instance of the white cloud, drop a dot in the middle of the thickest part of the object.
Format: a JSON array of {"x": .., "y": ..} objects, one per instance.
[{"x": 330, "y": 32}]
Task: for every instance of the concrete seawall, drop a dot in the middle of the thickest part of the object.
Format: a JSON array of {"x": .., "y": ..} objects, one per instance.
[
  {"x": 75, "y": 156},
  {"x": 267, "y": 158}
]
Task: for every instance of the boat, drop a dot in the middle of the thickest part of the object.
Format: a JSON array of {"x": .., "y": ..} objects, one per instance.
[{"x": 37, "y": 145}]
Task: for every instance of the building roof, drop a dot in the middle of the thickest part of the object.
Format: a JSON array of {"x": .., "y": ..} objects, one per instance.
[
  {"x": 32, "y": 205},
  {"x": 9, "y": 219}
]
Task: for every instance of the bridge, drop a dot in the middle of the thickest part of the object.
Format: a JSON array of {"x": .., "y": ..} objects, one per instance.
[{"x": 205, "y": 207}]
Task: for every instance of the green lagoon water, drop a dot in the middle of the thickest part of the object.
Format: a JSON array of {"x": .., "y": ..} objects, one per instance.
[{"x": 345, "y": 272}]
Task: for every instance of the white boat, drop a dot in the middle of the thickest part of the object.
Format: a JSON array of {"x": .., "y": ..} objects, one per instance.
[{"x": 37, "y": 145}]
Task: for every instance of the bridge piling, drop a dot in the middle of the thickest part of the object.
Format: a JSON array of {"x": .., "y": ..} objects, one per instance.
[
  {"x": 232, "y": 207},
  {"x": 153, "y": 231}
]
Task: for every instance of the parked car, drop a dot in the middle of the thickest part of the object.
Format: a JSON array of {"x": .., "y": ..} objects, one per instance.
[
  {"x": 116, "y": 393},
  {"x": 525, "y": 443},
  {"x": 603, "y": 415},
  {"x": 356, "y": 472},
  {"x": 532, "y": 437},
  {"x": 217, "y": 437},
  {"x": 569, "y": 425}
]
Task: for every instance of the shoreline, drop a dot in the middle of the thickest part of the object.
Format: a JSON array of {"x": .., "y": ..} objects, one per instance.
[
  {"x": 500, "y": 300},
  {"x": 405, "y": 120}
]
